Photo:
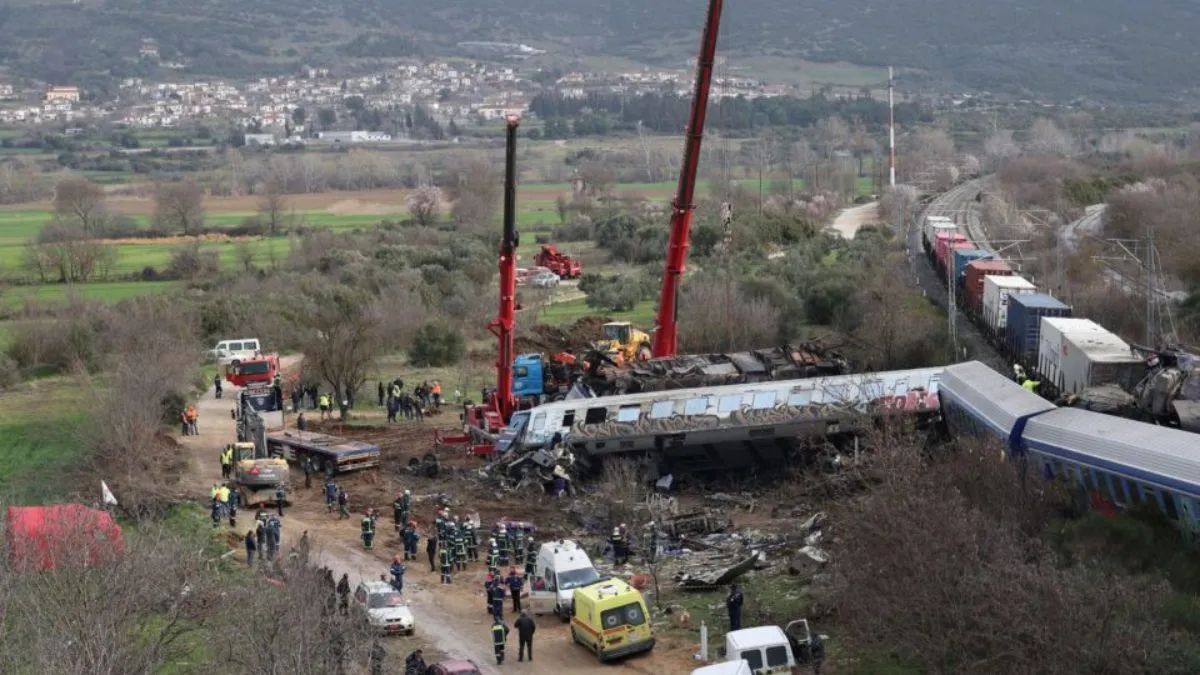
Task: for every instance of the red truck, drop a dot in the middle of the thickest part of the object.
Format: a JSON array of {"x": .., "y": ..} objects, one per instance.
[
  {"x": 558, "y": 262},
  {"x": 260, "y": 370}
]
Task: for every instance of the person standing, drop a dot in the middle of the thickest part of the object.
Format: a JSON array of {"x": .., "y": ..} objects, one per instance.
[
  {"x": 326, "y": 407},
  {"x": 497, "y": 594},
  {"x": 493, "y": 556},
  {"x": 309, "y": 468},
  {"x": 446, "y": 557},
  {"x": 525, "y": 627},
  {"x": 472, "y": 541},
  {"x": 301, "y": 423},
  {"x": 331, "y": 493},
  {"x": 260, "y": 536},
  {"x": 431, "y": 549},
  {"x": 274, "y": 535},
  {"x": 460, "y": 546},
  {"x": 398, "y": 518},
  {"x": 297, "y": 398},
  {"x": 251, "y": 547},
  {"x": 343, "y": 501},
  {"x": 217, "y": 386},
  {"x": 343, "y": 591},
  {"x": 368, "y": 532},
  {"x": 227, "y": 461},
  {"x": 618, "y": 546},
  {"x": 215, "y": 512},
  {"x": 381, "y": 393},
  {"x": 280, "y": 496},
  {"x": 499, "y": 637},
  {"x": 515, "y": 583},
  {"x": 733, "y": 604},
  {"x": 397, "y": 569},
  {"x": 378, "y": 655}
]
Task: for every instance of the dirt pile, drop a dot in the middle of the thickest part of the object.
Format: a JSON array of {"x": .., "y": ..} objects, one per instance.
[{"x": 548, "y": 339}]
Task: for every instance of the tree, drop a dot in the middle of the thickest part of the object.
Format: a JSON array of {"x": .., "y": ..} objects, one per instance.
[
  {"x": 78, "y": 201},
  {"x": 272, "y": 206},
  {"x": 1000, "y": 146},
  {"x": 437, "y": 344},
  {"x": 341, "y": 335},
  {"x": 191, "y": 262},
  {"x": 616, "y": 293},
  {"x": 246, "y": 255},
  {"x": 423, "y": 204},
  {"x": 326, "y": 117},
  {"x": 179, "y": 206},
  {"x": 299, "y": 114},
  {"x": 477, "y": 190},
  {"x": 717, "y": 316},
  {"x": 1046, "y": 138}
]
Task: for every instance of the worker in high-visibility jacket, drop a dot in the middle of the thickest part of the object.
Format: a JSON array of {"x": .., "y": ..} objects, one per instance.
[
  {"x": 499, "y": 637},
  {"x": 1031, "y": 384},
  {"x": 446, "y": 557},
  {"x": 227, "y": 461},
  {"x": 368, "y": 532}
]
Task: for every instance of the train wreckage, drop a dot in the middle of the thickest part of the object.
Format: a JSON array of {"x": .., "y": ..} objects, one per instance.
[{"x": 710, "y": 428}]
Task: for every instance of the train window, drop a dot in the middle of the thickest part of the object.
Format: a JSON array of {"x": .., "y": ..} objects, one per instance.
[
  {"x": 799, "y": 397},
  {"x": 1090, "y": 479},
  {"x": 662, "y": 410},
  {"x": 729, "y": 403},
  {"x": 1169, "y": 505},
  {"x": 595, "y": 415},
  {"x": 629, "y": 413},
  {"x": 1135, "y": 493},
  {"x": 1116, "y": 489},
  {"x": 695, "y": 406},
  {"x": 568, "y": 418},
  {"x": 764, "y": 400}
]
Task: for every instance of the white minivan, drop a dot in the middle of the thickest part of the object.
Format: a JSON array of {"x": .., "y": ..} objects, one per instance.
[
  {"x": 562, "y": 566},
  {"x": 229, "y": 351}
]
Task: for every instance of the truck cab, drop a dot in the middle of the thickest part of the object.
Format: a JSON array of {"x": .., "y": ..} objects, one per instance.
[
  {"x": 562, "y": 567},
  {"x": 537, "y": 379},
  {"x": 260, "y": 370}
]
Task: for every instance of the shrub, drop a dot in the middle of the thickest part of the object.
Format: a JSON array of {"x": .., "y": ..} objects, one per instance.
[{"x": 437, "y": 344}]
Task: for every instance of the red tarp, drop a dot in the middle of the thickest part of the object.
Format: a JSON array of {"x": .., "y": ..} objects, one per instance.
[{"x": 61, "y": 535}]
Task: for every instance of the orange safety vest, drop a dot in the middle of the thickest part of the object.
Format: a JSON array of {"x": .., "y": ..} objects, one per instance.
[{"x": 437, "y": 389}]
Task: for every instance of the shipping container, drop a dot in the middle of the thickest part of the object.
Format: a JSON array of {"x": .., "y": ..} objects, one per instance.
[
  {"x": 1024, "y": 325},
  {"x": 1074, "y": 354},
  {"x": 948, "y": 259},
  {"x": 933, "y": 225},
  {"x": 973, "y": 281},
  {"x": 941, "y": 241},
  {"x": 995, "y": 299},
  {"x": 964, "y": 256}
]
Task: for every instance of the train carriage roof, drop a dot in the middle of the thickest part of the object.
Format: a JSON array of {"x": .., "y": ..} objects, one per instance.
[{"x": 990, "y": 396}]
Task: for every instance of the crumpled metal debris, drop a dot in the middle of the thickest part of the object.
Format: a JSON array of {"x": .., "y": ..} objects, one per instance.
[{"x": 696, "y": 576}]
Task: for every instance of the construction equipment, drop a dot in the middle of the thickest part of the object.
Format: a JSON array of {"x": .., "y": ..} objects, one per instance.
[
  {"x": 667, "y": 328},
  {"x": 256, "y": 475},
  {"x": 621, "y": 338},
  {"x": 558, "y": 262}
]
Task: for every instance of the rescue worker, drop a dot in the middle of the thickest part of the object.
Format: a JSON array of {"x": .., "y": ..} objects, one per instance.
[
  {"x": 410, "y": 537},
  {"x": 493, "y": 557},
  {"x": 460, "y": 547},
  {"x": 233, "y": 508},
  {"x": 398, "y": 512},
  {"x": 472, "y": 541},
  {"x": 733, "y": 604},
  {"x": 227, "y": 461},
  {"x": 260, "y": 536},
  {"x": 515, "y": 583},
  {"x": 397, "y": 569},
  {"x": 445, "y": 561},
  {"x": 280, "y": 497},
  {"x": 274, "y": 536},
  {"x": 217, "y": 386},
  {"x": 368, "y": 532},
  {"x": 618, "y": 547},
  {"x": 1031, "y": 385},
  {"x": 488, "y": 582},
  {"x": 518, "y": 546},
  {"x": 530, "y": 556},
  {"x": 343, "y": 501},
  {"x": 525, "y": 627},
  {"x": 502, "y": 543},
  {"x": 499, "y": 637},
  {"x": 439, "y": 525},
  {"x": 325, "y": 406},
  {"x": 497, "y": 595},
  {"x": 191, "y": 417},
  {"x": 381, "y": 393},
  {"x": 436, "y": 391},
  {"x": 406, "y": 506},
  {"x": 331, "y": 494},
  {"x": 431, "y": 549},
  {"x": 309, "y": 468},
  {"x": 216, "y": 512},
  {"x": 251, "y": 547}
]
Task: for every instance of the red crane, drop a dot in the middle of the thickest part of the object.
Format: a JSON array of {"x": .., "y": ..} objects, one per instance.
[
  {"x": 503, "y": 402},
  {"x": 667, "y": 329}
]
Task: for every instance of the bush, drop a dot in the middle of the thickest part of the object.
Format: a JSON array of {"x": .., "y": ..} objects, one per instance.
[
  {"x": 437, "y": 344},
  {"x": 191, "y": 262},
  {"x": 10, "y": 373},
  {"x": 617, "y": 293},
  {"x": 579, "y": 229}
]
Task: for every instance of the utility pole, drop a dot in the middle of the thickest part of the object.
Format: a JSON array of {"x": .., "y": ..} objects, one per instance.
[{"x": 891, "y": 129}]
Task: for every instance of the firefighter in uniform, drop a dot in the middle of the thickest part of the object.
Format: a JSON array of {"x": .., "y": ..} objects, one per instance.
[
  {"x": 368, "y": 532},
  {"x": 493, "y": 557},
  {"x": 445, "y": 561},
  {"x": 530, "y": 556},
  {"x": 499, "y": 637},
  {"x": 410, "y": 540},
  {"x": 472, "y": 541},
  {"x": 502, "y": 543},
  {"x": 618, "y": 546},
  {"x": 460, "y": 546}
]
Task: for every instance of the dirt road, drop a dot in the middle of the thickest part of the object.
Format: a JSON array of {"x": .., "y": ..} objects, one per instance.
[
  {"x": 849, "y": 220},
  {"x": 450, "y": 619}
]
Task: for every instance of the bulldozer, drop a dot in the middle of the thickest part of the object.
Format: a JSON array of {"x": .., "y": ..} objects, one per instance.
[
  {"x": 257, "y": 477},
  {"x": 624, "y": 343}
]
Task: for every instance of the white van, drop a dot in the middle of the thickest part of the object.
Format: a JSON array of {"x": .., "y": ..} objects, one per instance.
[
  {"x": 765, "y": 648},
  {"x": 739, "y": 667},
  {"x": 229, "y": 351},
  {"x": 562, "y": 566}
]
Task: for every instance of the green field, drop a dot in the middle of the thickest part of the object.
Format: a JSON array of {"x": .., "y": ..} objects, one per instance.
[
  {"x": 40, "y": 426},
  {"x": 114, "y": 291},
  {"x": 566, "y": 313}
]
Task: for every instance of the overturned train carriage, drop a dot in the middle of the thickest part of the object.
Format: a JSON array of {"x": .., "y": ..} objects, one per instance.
[{"x": 722, "y": 427}]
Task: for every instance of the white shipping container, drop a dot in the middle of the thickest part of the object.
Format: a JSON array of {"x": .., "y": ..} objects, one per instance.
[
  {"x": 996, "y": 290},
  {"x": 1074, "y": 354},
  {"x": 934, "y": 224}
]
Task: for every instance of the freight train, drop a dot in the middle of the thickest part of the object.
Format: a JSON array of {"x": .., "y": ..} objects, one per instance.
[
  {"x": 1115, "y": 462},
  {"x": 1037, "y": 332}
]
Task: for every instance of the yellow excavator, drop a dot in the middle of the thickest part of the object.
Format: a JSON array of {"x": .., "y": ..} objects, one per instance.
[
  {"x": 624, "y": 343},
  {"x": 257, "y": 477}
]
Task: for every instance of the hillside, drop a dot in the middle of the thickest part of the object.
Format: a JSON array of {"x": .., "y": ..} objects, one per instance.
[{"x": 1100, "y": 49}]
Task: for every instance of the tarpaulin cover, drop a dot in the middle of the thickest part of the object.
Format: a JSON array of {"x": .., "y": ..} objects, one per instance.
[{"x": 61, "y": 535}]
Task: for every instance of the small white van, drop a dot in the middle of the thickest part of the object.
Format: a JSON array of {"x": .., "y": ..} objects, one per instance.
[
  {"x": 229, "y": 351},
  {"x": 766, "y": 649},
  {"x": 562, "y": 566},
  {"x": 739, "y": 667}
]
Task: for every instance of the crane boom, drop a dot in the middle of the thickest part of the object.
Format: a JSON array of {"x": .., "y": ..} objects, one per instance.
[
  {"x": 502, "y": 326},
  {"x": 667, "y": 329}
]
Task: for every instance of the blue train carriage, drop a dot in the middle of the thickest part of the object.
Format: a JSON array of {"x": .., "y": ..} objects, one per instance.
[
  {"x": 978, "y": 401},
  {"x": 1119, "y": 462}
]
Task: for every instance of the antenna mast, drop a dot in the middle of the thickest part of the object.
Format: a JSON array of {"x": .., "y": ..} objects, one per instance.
[{"x": 891, "y": 128}]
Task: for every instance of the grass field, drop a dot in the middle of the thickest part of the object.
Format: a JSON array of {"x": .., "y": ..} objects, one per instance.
[
  {"x": 566, "y": 313},
  {"x": 39, "y": 424},
  {"x": 105, "y": 291}
]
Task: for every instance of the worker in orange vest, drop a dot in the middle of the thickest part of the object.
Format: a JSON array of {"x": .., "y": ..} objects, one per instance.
[
  {"x": 192, "y": 416},
  {"x": 436, "y": 390}
]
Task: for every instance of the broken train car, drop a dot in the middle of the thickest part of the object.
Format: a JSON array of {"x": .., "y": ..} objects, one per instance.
[{"x": 720, "y": 427}]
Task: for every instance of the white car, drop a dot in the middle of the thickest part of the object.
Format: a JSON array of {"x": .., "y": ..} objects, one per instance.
[
  {"x": 544, "y": 280},
  {"x": 385, "y": 609}
]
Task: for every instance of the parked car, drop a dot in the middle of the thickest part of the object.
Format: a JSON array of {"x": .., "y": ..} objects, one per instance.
[
  {"x": 544, "y": 280},
  {"x": 233, "y": 351},
  {"x": 455, "y": 667},
  {"x": 385, "y": 609}
]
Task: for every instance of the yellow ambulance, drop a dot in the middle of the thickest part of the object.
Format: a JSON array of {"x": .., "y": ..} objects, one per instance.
[{"x": 610, "y": 618}]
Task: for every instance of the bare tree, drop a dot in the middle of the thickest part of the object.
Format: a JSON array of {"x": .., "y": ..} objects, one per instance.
[
  {"x": 1047, "y": 138},
  {"x": 477, "y": 191},
  {"x": 246, "y": 255},
  {"x": 273, "y": 206},
  {"x": 80, "y": 202},
  {"x": 424, "y": 204},
  {"x": 999, "y": 146},
  {"x": 719, "y": 317},
  {"x": 179, "y": 206},
  {"x": 341, "y": 337}
]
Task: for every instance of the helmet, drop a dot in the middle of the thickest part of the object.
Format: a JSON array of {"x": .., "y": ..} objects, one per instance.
[
  {"x": 492, "y": 540},
  {"x": 408, "y": 492}
]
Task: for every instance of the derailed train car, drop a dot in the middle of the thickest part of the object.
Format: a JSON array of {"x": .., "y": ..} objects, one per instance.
[
  {"x": 722, "y": 427},
  {"x": 1116, "y": 462}
]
